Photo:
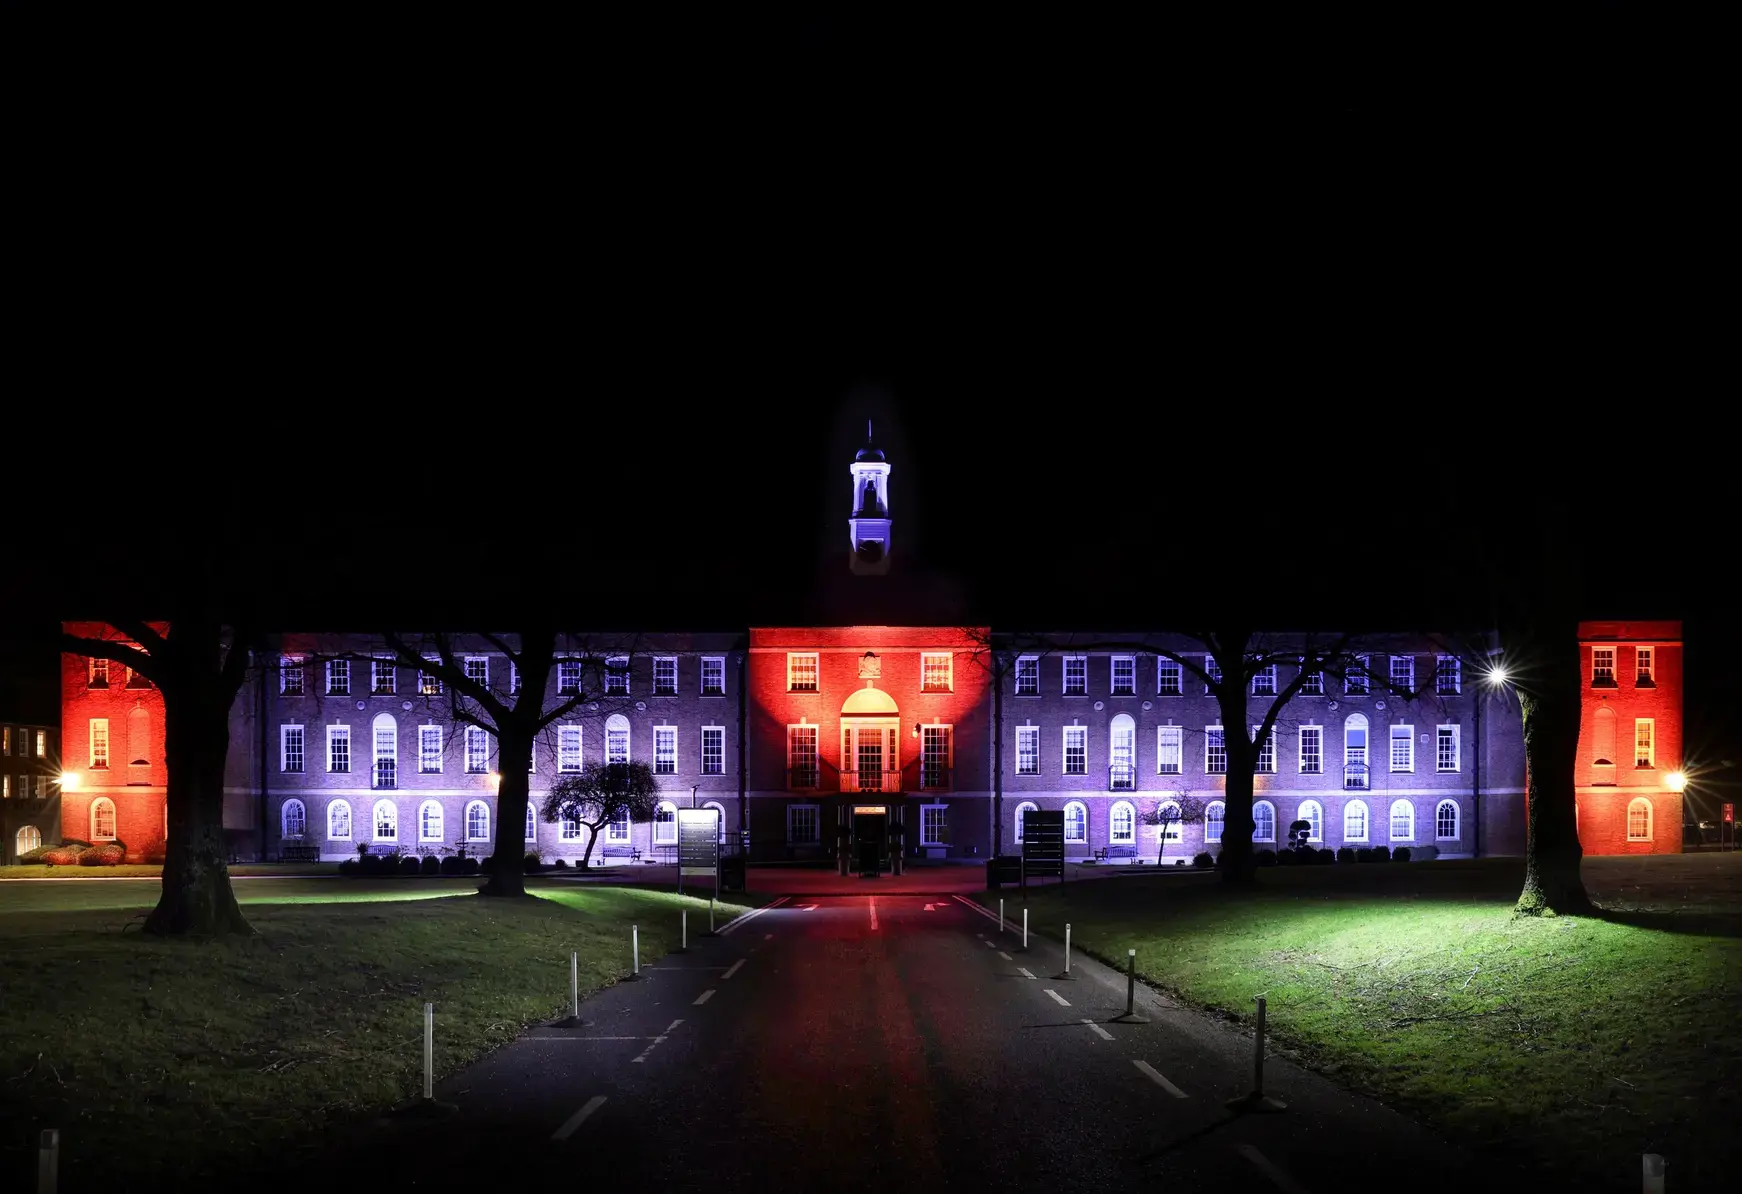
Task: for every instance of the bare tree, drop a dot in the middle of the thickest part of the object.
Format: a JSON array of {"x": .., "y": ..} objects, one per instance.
[
  {"x": 1170, "y": 815},
  {"x": 601, "y": 793}
]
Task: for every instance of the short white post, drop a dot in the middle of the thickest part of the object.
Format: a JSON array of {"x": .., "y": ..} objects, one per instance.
[
  {"x": 710, "y": 916},
  {"x": 686, "y": 931},
  {"x": 48, "y": 1161},
  {"x": 429, "y": 1052},
  {"x": 1067, "y": 947},
  {"x": 1258, "y": 1051},
  {"x": 1653, "y": 1172},
  {"x": 635, "y": 947},
  {"x": 1001, "y": 921},
  {"x": 1025, "y": 927},
  {"x": 575, "y": 983}
]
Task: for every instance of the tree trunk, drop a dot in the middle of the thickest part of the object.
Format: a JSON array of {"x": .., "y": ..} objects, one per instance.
[
  {"x": 1239, "y": 865},
  {"x": 508, "y": 872},
  {"x": 197, "y": 899},
  {"x": 592, "y": 837},
  {"x": 1552, "y": 885}
]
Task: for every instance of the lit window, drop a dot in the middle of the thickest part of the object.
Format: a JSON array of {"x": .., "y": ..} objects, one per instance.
[
  {"x": 290, "y": 675},
  {"x": 1122, "y": 824},
  {"x": 1167, "y": 677},
  {"x": 665, "y": 676},
  {"x": 934, "y": 757},
  {"x": 386, "y": 821},
  {"x": 568, "y": 748},
  {"x": 1215, "y": 751},
  {"x": 1214, "y": 814},
  {"x": 935, "y": 673},
  {"x": 1076, "y": 675},
  {"x": 1402, "y": 821},
  {"x": 801, "y": 757},
  {"x": 934, "y": 825},
  {"x": 477, "y": 750},
  {"x": 1643, "y": 677},
  {"x": 1076, "y": 822},
  {"x": 1168, "y": 752},
  {"x": 802, "y": 824},
  {"x": 386, "y": 772},
  {"x": 1028, "y": 676},
  {"x": 339, "y": 821},
  {"x": 1169, "y": 819},
  {"x": 1448, "y": 676},
  {"x": 617, "y": 675},
  {"x": 1266, "y": 751},
  {"x": 428, "y": 683},
  {"x": 1314, "y": 815},
  {"x": 719, "y": 818},
  {"x": 1639, "y": 820},
  {"x": 99, "y": 743},
  {"x": 1355, "y": 821},
  {"x": 1028, "y": 750},
  {"x": 338, "y": 677},
  {"x": 1263, "y": 821},
  {"x": 665, "y": 824},
  {"x": 290, "y": 748},
  {"x": 293, "y": 818},
  {"x": 1076, "y": 758},
  {"x": 1446, "y": 750},
  {"x": 429, "y": 821},
  {"x": 616, "y": 739},
  {"x": 1122, "y": 754},
  {"x": 1602, "y": 667},
  {"x": 1643, "y": 753},
  {"x": 1312, "y": 683},
  {"x": 383, "y": 677},
  {"x": 1355, "y": 681},
  {"x": 1264, "y": 680},
  {"x": 665, "y": 750},
  {"x": 1022, "y": 810},
  {"x": 1403, "y": 673},
  {"x": 1124, "y": 675},
  {"x": 1355, "y": 751},
  {"x": 1403, "y": 748},
  {"x": 478, "y": 821},
  {"x": 568, "y": 677},
  {"x": 338, "y": 748},
  {"x": 801, "y": 672},
  {"x": 136, "y": 679},
  {"x": 531, "y": 833},
  {"x": 713, "y": 750},
  {"x": 714, "y": 677},
  {"x": 1446, "y": 821},
  {"x": 97, "y": 674},
  {"x": 1212, "y": 669},
  {"x": 27, "y": 839},
  {"x": 429, "y": 749},
  {"x": 102, "y": 819},
  {"x": 568, "y": 829},
  {"x": 478, "y": 670},
  {"x": 1312, "y": 750}
]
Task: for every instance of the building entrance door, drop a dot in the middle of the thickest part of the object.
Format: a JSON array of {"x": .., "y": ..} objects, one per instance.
[{"x": 870, "y": 839}]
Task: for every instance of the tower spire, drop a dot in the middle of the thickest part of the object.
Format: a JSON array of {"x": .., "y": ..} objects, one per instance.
[{"x": 869, "y": 524}]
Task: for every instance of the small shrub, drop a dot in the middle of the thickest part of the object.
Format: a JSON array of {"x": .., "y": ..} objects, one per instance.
[
  {"x": 1424, "y": 853},
  {"x": 63, "y": 856},
  {"x": 533, "y": 864},
  {"x": 1326, "y": 856},
  {"x": 489, "y": 864},
  {"x": 430, "y": 865},
  {"x": 369, "y": 864},
  {"x": 411, "y": 864},
  {"x": 34, "y": 856},
  {"x": 1265, "y": 857},
  {"x": 451, "y": 865},
  {"x": 349, "y": 867},
  {"x": 1217, "y": 863},
  {"x": 362, "y": 849},
  {"x": 1381, "y": 854},
  {"x": 468, "y": 866},
  {"x": 1203, "y": 860},
  {"x": 1364, "y": 854},
  {"x": 1401, "y": 854},
  {"x": 1287, "y": 856},
  {"x": 102, "y": 856},
  {"x": 1346, "y": 854}
]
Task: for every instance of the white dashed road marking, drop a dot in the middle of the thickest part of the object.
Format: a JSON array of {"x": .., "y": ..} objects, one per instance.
[
  {"x": 704, "y": 997},
  {"x": 642, "y": 1056},
  {"x": 1057, "y": 998},
  {"x": 732, "y": 969},
  {"x": 578, "y": 1118},
  {"x": 1025, "y": 973},
  {"x": 1093, "y": 1027},
  {"x": 1155, "y": 1076},
  {"x": 1006, "y": 956},
  {"x": 1283, "y": 1182}
]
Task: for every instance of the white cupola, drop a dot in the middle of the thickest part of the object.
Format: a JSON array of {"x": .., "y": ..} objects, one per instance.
[{"x": 869, "y": 525}]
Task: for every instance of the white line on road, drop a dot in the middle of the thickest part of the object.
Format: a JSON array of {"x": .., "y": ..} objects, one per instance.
[
  {"x": 732, "y": 969},
  {"x": 566, "y": 1037},
  {"x": 578, "y": 1118},
  {"x": 1006, "y": 956},
  {"x": 1097, "y": 1030},
  {"x": 873, "y": 914},
  {"x": 1057, "y": 998},
  {"x": 966, "y": 902},
  {"x": 703, "y": 997},
  {"x": 1283, "y": 1182},
  {"x": 738, "y": 922},
  {"x": 1024, "y": 972},
  {"x": 979, "y": 934},
  {"x": 1155, "y": 1076},
  {"x": 989, "y": 944},
  {"x": 768, "y": 936},
  {"x": 673, "y": 1027}
]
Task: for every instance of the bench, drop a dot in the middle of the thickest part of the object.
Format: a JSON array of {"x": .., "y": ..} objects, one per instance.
[
  {"x": 621, "y": 850},
  {"x": 293, "y": 853},
  {"x": 1108, "y": 852}
]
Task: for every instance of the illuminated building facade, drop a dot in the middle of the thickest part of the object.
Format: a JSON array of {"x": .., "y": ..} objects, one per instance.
[
  {"x": 29, "y": 788},
  {"x": 1629, "y": 774}
]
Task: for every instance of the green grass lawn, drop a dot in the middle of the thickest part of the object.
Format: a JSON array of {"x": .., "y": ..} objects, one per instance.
[
  {"x": 1577, "y": 1043},
  {"x": 131, "y": 1045}
]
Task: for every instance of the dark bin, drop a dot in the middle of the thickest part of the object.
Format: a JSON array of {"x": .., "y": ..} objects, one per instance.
[{"x": 732, "y": 872}]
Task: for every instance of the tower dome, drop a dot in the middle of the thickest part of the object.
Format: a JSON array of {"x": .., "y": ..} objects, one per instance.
[{"x": 868, "y": 526}]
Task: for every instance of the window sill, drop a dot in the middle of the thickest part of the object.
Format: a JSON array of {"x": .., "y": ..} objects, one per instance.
[
  {"x": 1645, "y": 683},
  {"x": 1078, "y": 695},
  {"x": 1170, "y": 694},
  {"x": 1605, "y": 685},
  {"x": 1446, "y": 771}
]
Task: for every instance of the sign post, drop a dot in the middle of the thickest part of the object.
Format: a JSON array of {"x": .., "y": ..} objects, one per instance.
[
  {"x": 698, "y": 846},
  {"x": 1043, "y": 846},
  {"x": 1728, "y": 825}
]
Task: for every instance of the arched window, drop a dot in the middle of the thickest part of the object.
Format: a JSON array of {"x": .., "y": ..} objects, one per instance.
[
  {"x": 1355, "y": 821},
  {"x": 616, "y": 738},
  {"x": 1167, "y": 813},
  {"x": 1122, "y": 824},
  {"x": 1122, "y": 754},
  {"x": 139, "y": 737},
  {"x": 429, "y": 821},
  {"x": 531, "y": 825},
  {"x": 1076, "y": 822},
  {"x": 1263, "y": 821},
  {"x": 665, "y": 823},
  {"x": 339, "y": 821},
  {"x": 478, "y": 821},
  {"x": 1402, "y": 821},
  {"x": 29, "y": 838},
  {"x": 1355, "y": 751},
  {"x": 1603, "y": 746},
  {"x": 1446, "y": 821},
  {"x": 1027, "y": 806},
  {"x": 102, "y": 819},
  {"x": 1214, "y": 814},
  {"x": 293, "y": 818},
  {"x": 720, "y": 821},
  {"x": 386, "y": 772},
  {"x": 1310, "y": 812},
  {"x": 386, "y": 821},
  {"x": 1639, "y": 819}
]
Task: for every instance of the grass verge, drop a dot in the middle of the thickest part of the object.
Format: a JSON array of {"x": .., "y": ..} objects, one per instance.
[
  {"x": 133, "y": 1046},
  {"x": 143, "y": 870},
  {"x": 1571, "y": 1044}
]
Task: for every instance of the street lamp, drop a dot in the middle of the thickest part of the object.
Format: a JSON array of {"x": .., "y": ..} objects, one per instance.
[
  {"x": 1497, "y": 675},
  {"x": 1677, "y": 780},
  {"x": 68, "y": 780}
]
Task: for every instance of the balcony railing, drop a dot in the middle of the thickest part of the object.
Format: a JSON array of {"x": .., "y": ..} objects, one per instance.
[
  {"x": 934, "y": 778},
  {"x": 1355, "y": 778},
  {"x": 1121, "y": 777},
  {"x": 871, "y": 781}
]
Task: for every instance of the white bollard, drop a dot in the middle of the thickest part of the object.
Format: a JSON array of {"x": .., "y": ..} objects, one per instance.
[
  {"x": 1025, "y": 928},
  {"x": 1653, "y": 1172},
  {"x": 1000, "y": 914},
  {"x": 48, "y": 1161},
  {"x": 429, "y": 1052},
  {"x": 710, "y": 916},
  {"x": 684, "y": 948},
  {"x": 1067, "y": 947},
  {"x": 575, "y": 983},
  {"x": 635, "y": 948}
]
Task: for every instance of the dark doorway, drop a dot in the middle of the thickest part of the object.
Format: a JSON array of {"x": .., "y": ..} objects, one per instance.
[{"x": 870, "y": 840}]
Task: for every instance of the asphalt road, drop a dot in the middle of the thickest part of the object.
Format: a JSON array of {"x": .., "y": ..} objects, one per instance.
[{"x": 875, "y": 1043}]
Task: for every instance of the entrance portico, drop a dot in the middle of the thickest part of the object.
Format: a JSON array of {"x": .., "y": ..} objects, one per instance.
[{"x": 870, "y": 830}]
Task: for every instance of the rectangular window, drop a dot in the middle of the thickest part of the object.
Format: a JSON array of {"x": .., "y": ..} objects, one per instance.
[
  {"x": 339, "y": 677},
  {"x": 1124, "y": 675},
  {"x": 617, "y": 675},
  {"x": 1028, "y": 676},
  {"x": 99, "y": 743},
  {"x": 429, "y": 749},
  {"x": 1215, "y": 751},
  {"x": 290, "y": 675},
  {"x": 568, "y": 677},
  {"x": 714, "y": 676},
  {"x": 617, "y": 829},
  {"x": 934, "y": 757},
  {"x": 1355, "y": 681},
  {"x": 428, "y": 683},
  {"x": 137, "y": 679},
  {"x": 386, "y": 773},
  {"x": 1446, "y": 753},
  {"x": 1312, "y": 684},
  {"x": 1266, "y": 751},
  {"x": 1264, "y": 680},
  {"x": 568, "y": 749},
  {"x": 569, "y": 830},
  {"x": 1168, "y": 749},
  {"x": 616, "y": 745},
  {"x": 1643, "y": 754},
  {"x": 478, "y": 670},
  {"x": 713, "y": 750},
  {"x": 1167, "y": 677},
  {"x": 1403, "y": 748},
  {"x": 1403, "y": 673},
  {"x": 802, "y": 824},
  {"x": 1602, "y": 666},
  {"x": 1448, "y": 675},
  {"x": 801, "y": 756},
  {"x": 1028, "y": 750},
  {"x": 338, "y": 749},
  {"x": 97, "y": 675},
  {"x": 1076, "y": 675},
  {"x": 801, "y": 671},
  {"x": 477, "y": 750},
  {"x": 1642, "y": 678},
  {"x": 383, "y": 678},
  {"x": 1076, "y": 750},
  {"x": 290, "y": 748},
  {"x": 665, "y": 675},
  {"x": 1312, "y": 750},
  {"x": 513, "y": 677},
  {"x": 935, "y": 671},
  {"x": 1213, "y": 670},
  {"x": 934, "y": 825},
  {"x": 665, "y": 750}
]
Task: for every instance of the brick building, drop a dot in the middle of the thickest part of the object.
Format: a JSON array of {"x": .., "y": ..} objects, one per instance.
[
  {"x": 1629, "y": 778},
  {"x": 29, "y": 792}
]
